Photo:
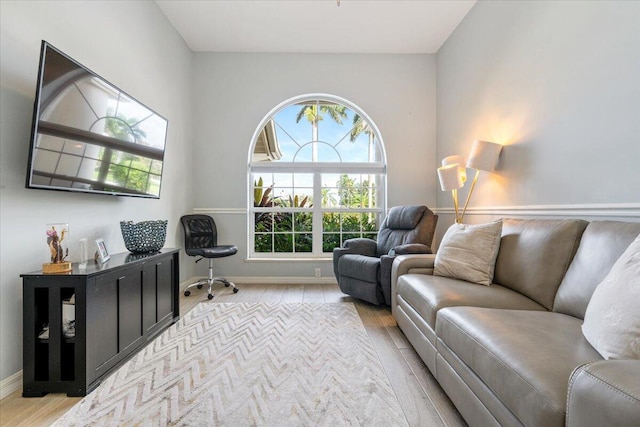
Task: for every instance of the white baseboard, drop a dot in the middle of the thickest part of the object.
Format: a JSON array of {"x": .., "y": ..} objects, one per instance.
[
  {"x": 10, "y": 384},
  {"x": 270, "y": 280},
  {"x": 285, "y": 280}
]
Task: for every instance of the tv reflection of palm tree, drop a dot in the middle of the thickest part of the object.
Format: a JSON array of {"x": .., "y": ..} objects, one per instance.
[
  {"x": 124, "y": 128},
  {"x": 119, "y": 167}
]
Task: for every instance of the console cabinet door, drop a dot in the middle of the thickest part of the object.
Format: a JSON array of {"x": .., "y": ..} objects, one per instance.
[
  {"x": 164, "y": 274},
  {"x": 102, "y": 324},
  {"x": 149, "y": 294},
  {"x": 129, "y": 307}
]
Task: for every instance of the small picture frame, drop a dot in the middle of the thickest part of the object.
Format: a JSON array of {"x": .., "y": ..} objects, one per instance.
[{"x": 103, "y": 253}]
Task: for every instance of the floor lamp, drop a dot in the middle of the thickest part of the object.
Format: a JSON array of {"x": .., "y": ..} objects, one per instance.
[
  {"x": 451, "y": 180},
  {"x": 484, "y": 156}
]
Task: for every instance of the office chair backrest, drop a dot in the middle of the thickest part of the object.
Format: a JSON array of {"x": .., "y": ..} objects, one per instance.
[
  {"x": 199, "y": 232},
  {"x": 406, "y": 224}
]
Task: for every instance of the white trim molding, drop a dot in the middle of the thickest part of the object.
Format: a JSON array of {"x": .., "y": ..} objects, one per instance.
[
  {"x": 243, "y": 211},
  {"x": 623, "y": 210},
  {"x": 10, "y": 384},
  {"x": 227, "y": 211}
]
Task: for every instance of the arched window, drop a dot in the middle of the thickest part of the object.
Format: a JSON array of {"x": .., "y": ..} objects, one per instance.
[{"x": 317, "y": 170}]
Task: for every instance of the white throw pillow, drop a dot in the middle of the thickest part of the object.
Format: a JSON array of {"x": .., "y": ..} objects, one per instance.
[
  {"x": 612, "y": 320},
  {"x": 468, "y": 252}
]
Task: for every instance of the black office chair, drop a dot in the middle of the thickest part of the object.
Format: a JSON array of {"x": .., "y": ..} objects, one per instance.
[{"x": 201, "y": 239}]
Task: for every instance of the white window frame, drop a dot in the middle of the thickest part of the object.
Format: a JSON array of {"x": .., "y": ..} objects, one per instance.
[{"x": 317, "y": 169}]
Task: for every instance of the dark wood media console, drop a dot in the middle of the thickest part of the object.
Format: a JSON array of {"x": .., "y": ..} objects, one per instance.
[{"x": 119, "y": 307}]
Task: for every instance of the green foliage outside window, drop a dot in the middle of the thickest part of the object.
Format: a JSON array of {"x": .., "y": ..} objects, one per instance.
[{"x": 282, "y": 232}]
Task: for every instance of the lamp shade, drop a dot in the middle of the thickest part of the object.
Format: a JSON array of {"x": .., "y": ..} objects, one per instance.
[
  {"x": 449, "y": 177},
  {"x": 484, "y": 155},
  {"x": 462, "y": 169}
]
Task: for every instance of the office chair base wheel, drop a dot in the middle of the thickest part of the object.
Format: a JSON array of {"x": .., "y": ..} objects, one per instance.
[
  {"x": 187, "y": 293},
  {"x": 226, "y": 285},
  {"x": 199, "y": 286},
  {"x": 210, "y": 296},
  {"x": 235, "y": 290}
]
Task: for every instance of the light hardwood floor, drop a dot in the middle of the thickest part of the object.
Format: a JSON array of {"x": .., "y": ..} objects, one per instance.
[{"x": 422, "y": 400}]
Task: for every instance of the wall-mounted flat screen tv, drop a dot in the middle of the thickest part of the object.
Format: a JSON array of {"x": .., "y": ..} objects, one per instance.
[{"x": 89, "y": 136}]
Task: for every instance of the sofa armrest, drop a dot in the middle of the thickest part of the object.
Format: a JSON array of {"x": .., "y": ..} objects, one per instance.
[
  {"x": 412, "y": 264},
  {"x": 386, "y": 264},
  {"x": 409, "y": 264},
  {"x": 604, "y": 393}
]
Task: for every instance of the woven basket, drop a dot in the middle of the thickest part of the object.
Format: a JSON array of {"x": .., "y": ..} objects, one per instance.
[{"x": 144, "y": 236}]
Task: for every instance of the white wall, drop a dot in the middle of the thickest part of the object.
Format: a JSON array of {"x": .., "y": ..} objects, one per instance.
[
  {"x": 558, "y": 83},
  {"x": 232, "y": 94},
  {"x": 132, "y": 45}
]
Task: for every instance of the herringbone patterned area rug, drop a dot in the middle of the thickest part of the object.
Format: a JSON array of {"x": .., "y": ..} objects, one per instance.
[{"x": 249, "y": 364}]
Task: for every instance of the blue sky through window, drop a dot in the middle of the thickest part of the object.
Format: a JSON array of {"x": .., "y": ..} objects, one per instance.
[{"x": 332, "y": 137}]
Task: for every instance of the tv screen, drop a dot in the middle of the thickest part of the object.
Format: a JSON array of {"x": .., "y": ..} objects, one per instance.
[{"x": 89, "y": 136}]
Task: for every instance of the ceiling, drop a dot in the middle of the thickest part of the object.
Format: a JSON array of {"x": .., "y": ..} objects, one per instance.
[{"x": 316, "y": 26}]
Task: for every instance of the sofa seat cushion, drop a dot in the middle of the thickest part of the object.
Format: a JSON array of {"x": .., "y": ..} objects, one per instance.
[
  {"x": 361, "y": 267},
  {"x": 427, "y": 294},
  {"x": 524, "y": 357}
]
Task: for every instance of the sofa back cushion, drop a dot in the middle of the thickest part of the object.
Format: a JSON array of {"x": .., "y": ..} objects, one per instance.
[
  {"x": 468, "y": 252},
  {"x": 612, "y": 320},
  {"x": 535, "y": 254},
  {"x": 602, "y": 244}
]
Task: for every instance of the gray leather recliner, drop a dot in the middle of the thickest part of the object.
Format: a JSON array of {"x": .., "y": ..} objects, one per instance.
[{"x": 363, "y": 266}]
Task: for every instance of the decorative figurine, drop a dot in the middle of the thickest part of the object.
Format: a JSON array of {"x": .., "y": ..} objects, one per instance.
[
  {"x": 57, "y": 251},
  {"x": 55, "y": 245}
]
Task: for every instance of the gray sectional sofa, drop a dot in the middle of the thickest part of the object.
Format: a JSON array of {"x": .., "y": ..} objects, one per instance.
[{"x": 513, "y": 353}]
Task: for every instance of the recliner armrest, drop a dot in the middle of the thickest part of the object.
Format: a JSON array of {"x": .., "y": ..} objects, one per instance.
[
  {"x": 386, "y": 264},
  {"x": 604, "y": 393},
  {"x": 411, "y": 248},
  {"x": 360, "y": 246}
]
